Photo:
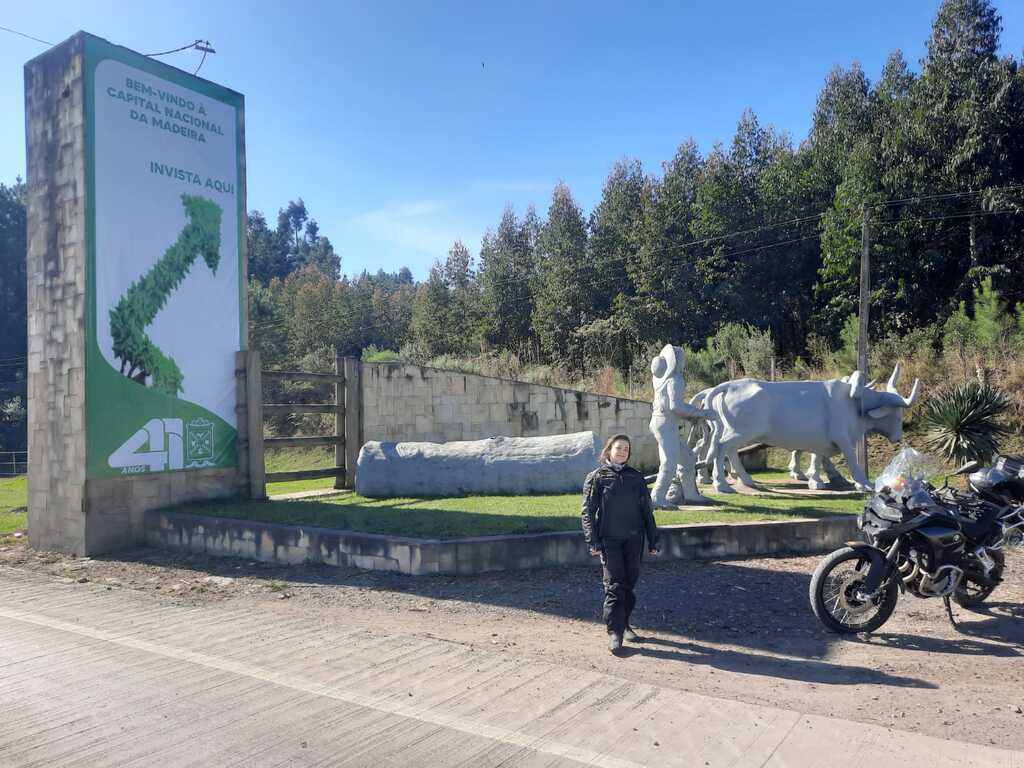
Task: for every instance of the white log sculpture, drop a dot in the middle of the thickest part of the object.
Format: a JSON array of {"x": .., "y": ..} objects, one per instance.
[
  {"x": 668, "y": 409},
  {"x": 497, "y": 465}
]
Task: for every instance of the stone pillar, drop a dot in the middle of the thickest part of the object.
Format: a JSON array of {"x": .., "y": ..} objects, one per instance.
[
  {"x": 55, "y": 131},
  {"x": 253, "y": 456},
  {"x": 353, "y": 368},
  {"x": 341, "y": 480}
]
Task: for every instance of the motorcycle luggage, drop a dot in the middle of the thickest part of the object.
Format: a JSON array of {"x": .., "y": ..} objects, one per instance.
[
  {"x": 1013, "y": 485},
  {"x": 1011, "y": 465},
  {"x": 999, "y": 482}
]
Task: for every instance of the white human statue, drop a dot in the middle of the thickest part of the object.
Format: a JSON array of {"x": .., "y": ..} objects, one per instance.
[{"x": 669, "y": 409}]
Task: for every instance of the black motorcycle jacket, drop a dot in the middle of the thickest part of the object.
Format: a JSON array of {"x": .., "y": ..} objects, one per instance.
[{"x": 617, "y": 505}]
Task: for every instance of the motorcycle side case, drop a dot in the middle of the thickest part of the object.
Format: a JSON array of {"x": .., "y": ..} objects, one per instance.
[
  {"x": 1011, "y": 465},
  {"x": 1013, "y": 486}
]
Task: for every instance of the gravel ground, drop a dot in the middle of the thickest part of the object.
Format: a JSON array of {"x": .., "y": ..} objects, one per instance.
[{"x": 737, "y": 629}]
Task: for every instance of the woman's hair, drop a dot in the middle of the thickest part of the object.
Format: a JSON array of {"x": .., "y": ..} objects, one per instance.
[{"x": 611, "y": 441}]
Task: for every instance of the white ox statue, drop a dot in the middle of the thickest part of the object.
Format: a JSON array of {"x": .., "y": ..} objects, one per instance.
[
  {"x": 833, "y": 478},
  {"x": 700, "y": 439},
  {"x": 825, "y": 418}
]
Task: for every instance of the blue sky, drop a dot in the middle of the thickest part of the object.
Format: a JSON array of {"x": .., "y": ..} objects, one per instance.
[{"x": 406, "y": 125}]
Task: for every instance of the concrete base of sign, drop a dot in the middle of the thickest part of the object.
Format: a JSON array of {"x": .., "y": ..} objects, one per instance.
[
  {"x": 513, "y": 465},
  {"x": 117, "y": 505}
]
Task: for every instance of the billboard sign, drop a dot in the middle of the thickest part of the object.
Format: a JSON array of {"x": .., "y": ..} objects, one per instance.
[{"x": 165, "y": 279}]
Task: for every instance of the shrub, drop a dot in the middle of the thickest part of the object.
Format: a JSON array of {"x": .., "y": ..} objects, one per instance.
[
  {"x": 978, "y": 337},
  {"x": 844, "y": 360},
  {"x": 374, "y": 355},
  {"x": 962, "y": 421},
  {"x": 757, "y": 353},
  {"x": 704, "y": 369}
]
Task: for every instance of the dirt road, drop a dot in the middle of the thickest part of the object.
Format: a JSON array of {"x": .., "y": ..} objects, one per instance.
[{"x": 739, "y": 630}]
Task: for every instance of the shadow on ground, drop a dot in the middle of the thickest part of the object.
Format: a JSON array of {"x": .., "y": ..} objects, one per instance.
[
  {"x": 804, "y": 670},
  {"x": 689, "y": 607}
]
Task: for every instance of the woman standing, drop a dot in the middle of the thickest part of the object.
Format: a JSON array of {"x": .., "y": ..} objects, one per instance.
[{"x": 617, "y": 517}]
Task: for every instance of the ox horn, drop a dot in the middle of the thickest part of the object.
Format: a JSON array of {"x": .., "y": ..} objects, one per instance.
[
  {"x": 909, "y": 401},
  {"x": 893, "y": 380}
]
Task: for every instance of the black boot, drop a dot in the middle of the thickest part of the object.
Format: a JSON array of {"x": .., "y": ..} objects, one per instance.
[{"x": 615, "y": 642}]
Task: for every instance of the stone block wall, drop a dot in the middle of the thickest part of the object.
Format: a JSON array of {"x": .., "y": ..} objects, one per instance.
[{"x": 405, "y": 402}]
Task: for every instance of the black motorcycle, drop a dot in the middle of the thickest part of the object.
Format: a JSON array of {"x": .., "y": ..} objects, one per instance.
[
  {"x": 918, "y": 539},
  {"x": 994, "y": 492}
]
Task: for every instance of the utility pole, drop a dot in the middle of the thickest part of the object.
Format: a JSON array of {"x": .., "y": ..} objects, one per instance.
[{"x": 865, "y": 304}]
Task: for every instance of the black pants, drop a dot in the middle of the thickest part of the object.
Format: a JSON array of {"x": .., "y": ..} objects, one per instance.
[{"x": 621, "y": 560}]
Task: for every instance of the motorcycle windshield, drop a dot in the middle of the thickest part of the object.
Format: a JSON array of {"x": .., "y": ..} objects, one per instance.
[{"x": 907, "y": 472}]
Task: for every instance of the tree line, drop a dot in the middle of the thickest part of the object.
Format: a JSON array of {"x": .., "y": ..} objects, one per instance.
[{"x": 757, "y": 232}]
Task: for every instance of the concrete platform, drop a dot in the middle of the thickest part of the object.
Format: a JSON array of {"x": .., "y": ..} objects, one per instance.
[
  {"x": 297, "y": 544},
  {"x": 90, "y": 676}
]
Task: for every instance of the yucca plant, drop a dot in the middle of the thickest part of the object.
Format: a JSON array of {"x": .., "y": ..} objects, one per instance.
[{"x": 963, "y": 421}]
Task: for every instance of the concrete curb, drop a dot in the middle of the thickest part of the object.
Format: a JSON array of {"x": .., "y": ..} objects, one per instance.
[{"x": 298, "y": 544}]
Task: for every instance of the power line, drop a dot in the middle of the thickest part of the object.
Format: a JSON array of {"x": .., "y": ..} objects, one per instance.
[
  {"x": 678, "y": 247},
  {"x": 376, "y": 323},
  {"x": 28, "y": 37},
  {"x": 802, "y": 219},
  {"x": 727, "y": 254},
  {"x": 967, "y": 215},
  {"x": 275, "y": 324},
  {"x": 201, "y": 45},
  {"x": 947, "y": 195}
]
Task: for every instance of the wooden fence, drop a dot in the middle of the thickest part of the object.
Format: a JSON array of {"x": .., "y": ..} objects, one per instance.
[
  {"x": 345, "y": 408},
  {"x": 13, "y": 463}
]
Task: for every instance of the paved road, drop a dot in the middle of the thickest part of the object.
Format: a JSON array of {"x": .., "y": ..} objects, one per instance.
[{"x": 97, "y": 677}]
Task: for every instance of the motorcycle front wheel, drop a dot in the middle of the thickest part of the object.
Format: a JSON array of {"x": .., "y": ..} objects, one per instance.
[{"x": 833, "y": 593}]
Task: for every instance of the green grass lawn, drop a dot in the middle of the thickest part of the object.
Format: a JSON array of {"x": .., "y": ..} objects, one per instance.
[
  {"x": 495, "y": 515},
  {"x": 13, "y": 500},
  {"x": 466, "y": 516},
  {"x": 291, "y": 459}
]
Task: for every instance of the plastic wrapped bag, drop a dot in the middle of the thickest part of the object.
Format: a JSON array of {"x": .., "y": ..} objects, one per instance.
[{"x": 907, "y": 472}]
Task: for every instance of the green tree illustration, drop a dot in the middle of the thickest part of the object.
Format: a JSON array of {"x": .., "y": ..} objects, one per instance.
[{"x": 139, "y": 306}]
